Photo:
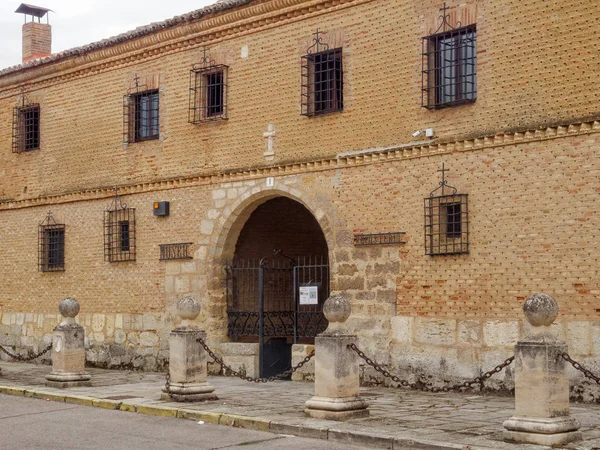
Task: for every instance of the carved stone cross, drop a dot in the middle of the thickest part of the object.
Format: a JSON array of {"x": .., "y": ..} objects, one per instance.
[{"x": 269, "y": 135}]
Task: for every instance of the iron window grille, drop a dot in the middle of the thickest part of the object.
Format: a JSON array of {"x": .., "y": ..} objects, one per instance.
[
  {"x": 141, "y": 120},
  {"x": 449, "y": 65},
  {"x": 322, "y": 78},
  {"x": 51, "y": 245},
  {"x": 208, "y": 91},
  {"x": 119, "y": 231},
  {"x": 25, "y": 125},
  {"x": 446, "y": 220}
]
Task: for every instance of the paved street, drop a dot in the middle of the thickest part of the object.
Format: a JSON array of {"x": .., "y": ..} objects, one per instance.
[
  {"x": 38, "y": 424},
  {"x": 399, "y": 419}
]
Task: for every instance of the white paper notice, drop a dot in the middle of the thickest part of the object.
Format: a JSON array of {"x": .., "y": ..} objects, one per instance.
[{"x": 309, "y": 295}]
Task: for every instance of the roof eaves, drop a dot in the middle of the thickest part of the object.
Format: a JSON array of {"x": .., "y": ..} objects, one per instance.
[{"x": 219, "y": 6}]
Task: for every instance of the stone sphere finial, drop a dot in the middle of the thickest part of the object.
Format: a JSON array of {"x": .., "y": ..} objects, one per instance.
[
  {"x": 69, "y": 307},
  {"x": 540, "y": 309},
  {"x": 337, "y": 309},
  {"x": 188, "y": 308}
]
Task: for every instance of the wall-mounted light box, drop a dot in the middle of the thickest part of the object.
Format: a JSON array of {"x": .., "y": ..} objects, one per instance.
[{"x": 161, "y": 208}]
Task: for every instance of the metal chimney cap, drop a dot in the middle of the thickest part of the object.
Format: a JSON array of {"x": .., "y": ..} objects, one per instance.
[{"x": 30, "y": 10}]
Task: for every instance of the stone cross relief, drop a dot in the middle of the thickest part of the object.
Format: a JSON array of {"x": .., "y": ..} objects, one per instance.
[{"x": 269, "y": 135}]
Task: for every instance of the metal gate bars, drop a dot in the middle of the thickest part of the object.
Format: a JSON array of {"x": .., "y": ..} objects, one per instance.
[{"x": 278, "y": 301}]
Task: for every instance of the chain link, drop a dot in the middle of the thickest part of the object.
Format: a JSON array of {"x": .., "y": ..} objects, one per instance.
[
  {"x": 423, "y": 387},
  {"x": 242, "y": 376},
  {"x": 579, "y": 367},
  {"x": 25, "y": 358}
]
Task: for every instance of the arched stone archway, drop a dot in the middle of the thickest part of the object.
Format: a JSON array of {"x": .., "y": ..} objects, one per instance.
[
  {"x": 256, "y": 225},
  {"x": 223, "y": 240}
]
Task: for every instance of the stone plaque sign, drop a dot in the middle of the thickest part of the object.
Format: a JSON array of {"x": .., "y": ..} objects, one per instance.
[{"x": 394, "y": 238}]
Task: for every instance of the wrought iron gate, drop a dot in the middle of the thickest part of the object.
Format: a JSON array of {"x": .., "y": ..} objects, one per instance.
[{"x": 279, "y": 302}]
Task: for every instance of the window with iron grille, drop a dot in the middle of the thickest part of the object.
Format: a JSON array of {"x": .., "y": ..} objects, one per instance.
[
  {"x": 449, "y": 65},
  {"x": 51, "y": 245},
  {"x": 141, "y": 120},
  {"x": 119, "y": 232},
  {"x": 322, "y": 79},
  {"x": 26, "y": 128},
  {"x": 208, "y": 91},
  {"x": 446, "y": 221}
]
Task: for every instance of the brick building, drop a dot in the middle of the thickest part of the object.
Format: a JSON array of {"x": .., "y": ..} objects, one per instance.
[{"x": 313, "y": 127}]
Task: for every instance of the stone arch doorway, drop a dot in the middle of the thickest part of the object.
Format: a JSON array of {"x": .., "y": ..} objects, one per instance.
[{"x": 277, "y": 282}]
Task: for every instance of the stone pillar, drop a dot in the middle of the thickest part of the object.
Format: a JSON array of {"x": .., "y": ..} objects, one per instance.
[
  {"x": 68, "y": 351},
  {"x": 541, "y": 382},
  {"x": 337, "y": 381},
  {"x": 187, "y": 358}
]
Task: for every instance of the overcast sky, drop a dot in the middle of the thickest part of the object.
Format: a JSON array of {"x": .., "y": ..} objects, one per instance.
[{"x": 79, "y": 22}]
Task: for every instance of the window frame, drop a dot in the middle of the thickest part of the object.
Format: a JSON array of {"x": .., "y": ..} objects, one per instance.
[
  {"x": 21, "y": 128},
  {"x": 311, "y": 93},
  {"x": 134, "y": 123},
  {"x": 443, "y": 236},
  {"x": 117, "y": 246},
  {"x": 51, "y": 246},
  {"x": 436, "y": 93},
  {"x": 202, "y": 107}
]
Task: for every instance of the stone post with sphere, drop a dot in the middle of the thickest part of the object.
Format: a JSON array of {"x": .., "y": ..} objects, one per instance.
[
  {"x": 337, "y": 380},
  {"x": 68, "y": 350},
  {"x": 541, "y": 382},
  {"x": 188, "y": 365}
]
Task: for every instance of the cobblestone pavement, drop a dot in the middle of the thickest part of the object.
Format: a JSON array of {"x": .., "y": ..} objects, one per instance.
[{"x": 399, "y": 418}]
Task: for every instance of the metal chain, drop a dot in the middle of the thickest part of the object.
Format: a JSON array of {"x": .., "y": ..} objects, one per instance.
[
  {"x": 242, "y": 376},
  {"x": 25, "y": 358},
  {"x": 579, "y": 367},
  {"x": 422, "y": 387},
  {"x": 168, "y": 384}
]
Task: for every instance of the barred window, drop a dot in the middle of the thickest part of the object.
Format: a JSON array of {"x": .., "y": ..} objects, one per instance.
[
  {"x": 119, "y": 232},
  {"x": 26, "y": 128},
  {"x": 446, "y": 221},
  {"x": 449, "y": 66},
  {"x": 141, "y": 116},
  {"x": 322, "y": 79},
  {"x": 51, "y": 246},
  {"x": 208, "y": 91}
]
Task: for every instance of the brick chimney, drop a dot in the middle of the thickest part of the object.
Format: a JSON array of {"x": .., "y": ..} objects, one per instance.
[{"x": 37, "y": 36}]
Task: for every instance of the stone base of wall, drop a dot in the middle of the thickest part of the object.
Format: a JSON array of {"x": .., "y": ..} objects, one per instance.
[
  {"x": 241, "y": 357},
  {"x": 429, "y": 350},
  {"x": 306, "y": 372},
  {"x": 434, "y": 350},
  {"x": 112, "y": 341}
]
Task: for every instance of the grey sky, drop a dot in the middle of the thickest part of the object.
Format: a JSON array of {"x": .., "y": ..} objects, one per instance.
[{"x": 79, "y": 22}]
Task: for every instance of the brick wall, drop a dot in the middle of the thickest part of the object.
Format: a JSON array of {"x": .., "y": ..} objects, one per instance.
[
  {"x": 524, "y": 80},
  {"x": 37, "y": 41},
  {"x": 527, "y": 162}
]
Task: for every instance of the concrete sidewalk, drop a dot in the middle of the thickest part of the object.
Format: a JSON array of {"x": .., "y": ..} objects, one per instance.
[{"x": 400, "y": 418}]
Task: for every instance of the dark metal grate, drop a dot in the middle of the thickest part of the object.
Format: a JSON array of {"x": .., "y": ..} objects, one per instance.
[
  {"x": 119, "y": 231},
  {"x": 280, "y": 281},
  {"x": 449, "y": 65},
  {"x": 446, "y": 221},
  {"x": 141, "y": 121},
  {"x": 25, "y": 125},
  {"x": 51, "y": 245},
  {"x": 208, "y": 91},
  {"x": 175, "y": 251},
  {"x": 322, "y": 79}
]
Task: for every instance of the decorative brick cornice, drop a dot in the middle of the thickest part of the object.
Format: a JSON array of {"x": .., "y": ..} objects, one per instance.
[
  {"x": 376, "y": 156},
  {"x": 160, "y": 42}
]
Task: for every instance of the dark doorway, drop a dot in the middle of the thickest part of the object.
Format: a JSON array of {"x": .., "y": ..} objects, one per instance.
[{"x": 277, "y": 282}]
